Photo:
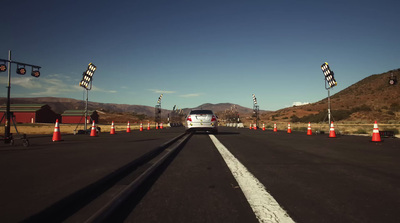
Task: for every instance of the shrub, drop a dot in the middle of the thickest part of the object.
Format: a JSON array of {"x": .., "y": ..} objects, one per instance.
[
  {"x": 396, "y": 131},
  {"x": 363, "y": 107},
  {"x": 341, "y": 114},
  {"x": 395, "y": 107},
  {"x": 390, "y": 113},
  {"x": 301, "y": 129},
  {"x": 360, "y": 131},
  {"x": 313, "y": 117},
  {"x": 294, "y": 118}
]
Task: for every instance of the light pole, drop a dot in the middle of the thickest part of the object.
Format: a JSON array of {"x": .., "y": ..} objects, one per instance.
[
  {"x": 256, "y": 109},
  {"x": 86, "y": 83},
  {"x": 157, "y": 115},
  {"x": 330, "y": 82},
  {"x": 173, "y": 114},
  {"x": 22, "y": 71}
]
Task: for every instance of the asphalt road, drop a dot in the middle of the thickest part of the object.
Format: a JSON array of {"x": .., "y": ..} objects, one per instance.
[
  {"x": 321, "y": 179},
  {"x": 313, "y": 178},
  {"x": 34, "y": 177}
]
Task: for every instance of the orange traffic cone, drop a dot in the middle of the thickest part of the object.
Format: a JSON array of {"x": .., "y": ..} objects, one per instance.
[
  {"x": 112, "y": 132},
  {"x": 141, "y": 127},
  {"x": 157, "y": 125},
  {"x": 57, "y": 133},
  {"x": 251, "y": 125},
  {"x": 93, "y": 131},
  {"x": 161, "y": 127},
  {"x": 128, "y": 127},
  {"x": 255, "y": 126},
  {"x": 275, "y": 129},
  {"x": 289, "y": 129},
  {"x": 376, "y": 136},
  {"x": 263, "y": 127},
  {"x": 332, "y": 133},
  {"x": 148, "y": 126},
  {"x": 309, "y": 132}
]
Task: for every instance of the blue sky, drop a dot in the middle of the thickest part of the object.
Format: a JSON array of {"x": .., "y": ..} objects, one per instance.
[{"x": 198, "y": 51}]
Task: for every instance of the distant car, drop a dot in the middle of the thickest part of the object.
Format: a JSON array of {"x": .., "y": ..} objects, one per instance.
[{"x": 202, "y": 120}]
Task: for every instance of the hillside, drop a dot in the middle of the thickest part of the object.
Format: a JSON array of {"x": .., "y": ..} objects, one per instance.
[
  {"x": 367, "y": 100},
  {"x": 222, "y": 108},
  {"x": 118, "y": 111}
]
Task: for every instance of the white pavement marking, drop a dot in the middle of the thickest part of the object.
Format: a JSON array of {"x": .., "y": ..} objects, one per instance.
[{"x": 265, "y": 207}]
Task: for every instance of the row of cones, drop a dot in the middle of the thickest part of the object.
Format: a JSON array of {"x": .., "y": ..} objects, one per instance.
[
  {"x": 93, "y": 131},
  {"x": 376, "y": 137},
  {"x": 128, "y": 127},
  {"x": 332, "y": 133},
  {"x": 158, "y": 125}
]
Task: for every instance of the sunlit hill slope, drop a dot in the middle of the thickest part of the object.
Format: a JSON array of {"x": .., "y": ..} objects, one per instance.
[{"x": 372, "y": 98}]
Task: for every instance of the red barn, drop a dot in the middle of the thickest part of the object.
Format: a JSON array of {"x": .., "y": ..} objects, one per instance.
[
  {"x": 30, "y": 113},
  {"x": 77, "y": 116}
]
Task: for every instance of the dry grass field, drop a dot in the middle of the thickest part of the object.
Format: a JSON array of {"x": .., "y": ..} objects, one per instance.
[
  {"x": 39, "y": 129},
  {"x": 346, "y": 128}
]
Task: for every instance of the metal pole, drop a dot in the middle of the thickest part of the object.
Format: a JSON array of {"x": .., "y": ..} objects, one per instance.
[
  {"x": 9, "y": 114},
  {"x": 329, "y": 107},
  {"x": 86, "y": 107},
  {"x": 7, "y": 134},
  {"x": 257, "y": 109}
]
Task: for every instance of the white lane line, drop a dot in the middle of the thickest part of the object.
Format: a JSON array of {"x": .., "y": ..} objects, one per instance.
[{"x": 265, "y": 207}]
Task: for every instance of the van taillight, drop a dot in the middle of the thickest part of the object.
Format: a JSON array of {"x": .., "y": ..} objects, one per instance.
[
  {"x": 213, "y": 119},
  {"x": 189, "y": 118}
]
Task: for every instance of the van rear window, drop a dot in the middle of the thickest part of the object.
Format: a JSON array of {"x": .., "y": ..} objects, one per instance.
[{"x": 201, "y": 112}]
